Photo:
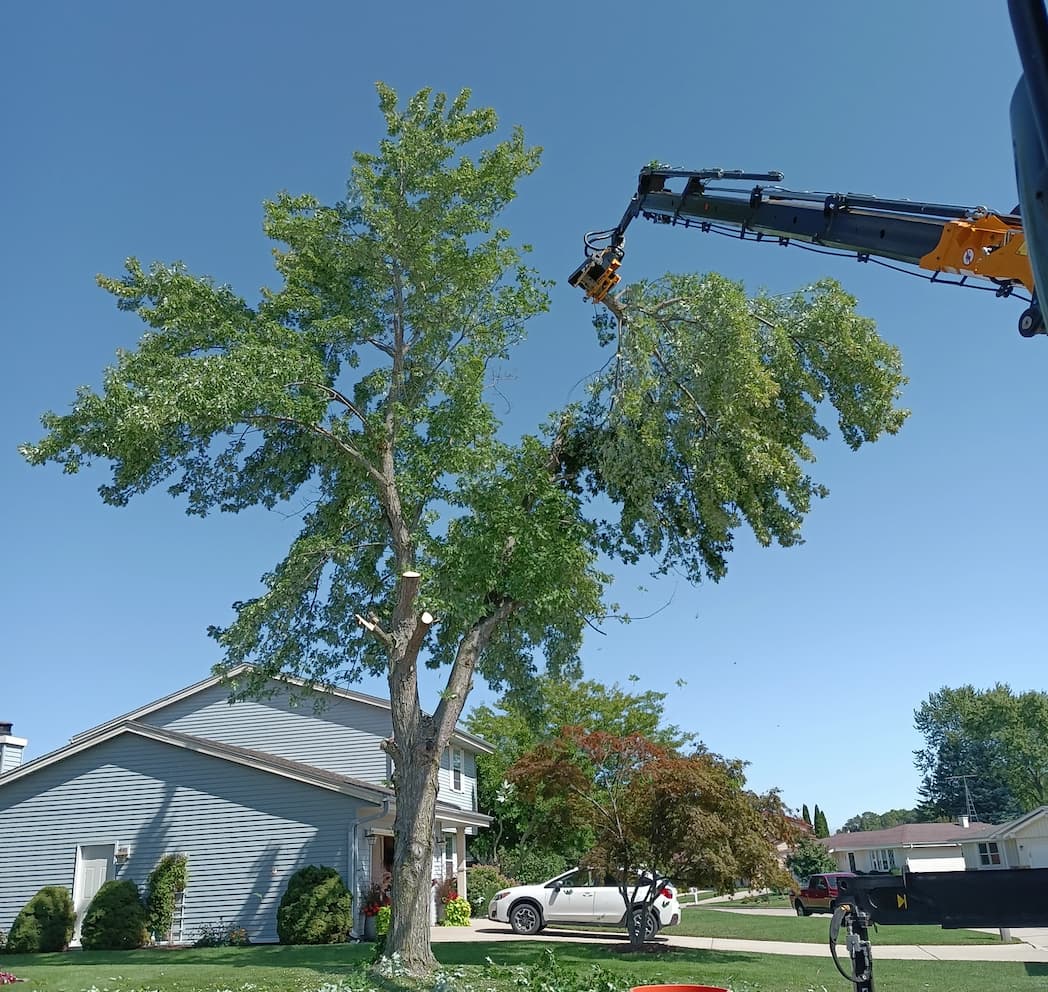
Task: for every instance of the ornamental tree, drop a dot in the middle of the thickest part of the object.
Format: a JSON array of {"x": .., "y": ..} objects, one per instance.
[
  {"x": 516, "y": 723},
  {"x": 358, "y": 385},
  {"x": 682, "y": 818}
]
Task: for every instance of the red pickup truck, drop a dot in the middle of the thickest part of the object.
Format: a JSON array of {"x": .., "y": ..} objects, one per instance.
[{"x": 819, "y": 895}]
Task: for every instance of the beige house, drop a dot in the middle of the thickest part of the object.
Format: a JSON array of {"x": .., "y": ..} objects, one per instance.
[
  {"x": 911, "y": 847},
  {"x": 1021, "y": 843}
]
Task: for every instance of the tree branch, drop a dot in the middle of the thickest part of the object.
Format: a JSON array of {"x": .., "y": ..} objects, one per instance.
[{"x": 323, "y": 432}]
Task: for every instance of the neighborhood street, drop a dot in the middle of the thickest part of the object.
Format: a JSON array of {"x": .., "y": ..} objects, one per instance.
[{"x": 1033, "y": 949}]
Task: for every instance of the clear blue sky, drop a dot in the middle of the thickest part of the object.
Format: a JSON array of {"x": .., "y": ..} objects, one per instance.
[{"x": 157, "y": 130}]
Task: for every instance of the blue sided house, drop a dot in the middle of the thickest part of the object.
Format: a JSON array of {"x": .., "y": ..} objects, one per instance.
[{"x": 249, "y": 792}]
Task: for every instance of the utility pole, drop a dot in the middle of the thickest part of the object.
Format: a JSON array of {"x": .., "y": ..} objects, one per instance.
[{"x": 969, "y": 803}]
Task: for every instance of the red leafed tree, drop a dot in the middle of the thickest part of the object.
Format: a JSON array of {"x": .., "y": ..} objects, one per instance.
[{"x": 673, "y": 817}]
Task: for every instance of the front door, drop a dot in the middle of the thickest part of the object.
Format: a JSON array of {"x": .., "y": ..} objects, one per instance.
[{"x": 94, "y": 864}]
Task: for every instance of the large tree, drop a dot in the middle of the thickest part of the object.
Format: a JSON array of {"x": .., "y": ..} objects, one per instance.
[
  {"x": 358, "y": 387},
  {"x": 673, "y": 817},
  {"x": 983, "y": 748},
  {"x": 518, "y": 722},
  {"x": 881, "y": 821}
]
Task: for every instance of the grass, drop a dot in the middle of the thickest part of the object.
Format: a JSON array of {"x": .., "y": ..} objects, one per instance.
[
  {"x": 700, "y": 922},
  {"x": 597, "y": 967}
]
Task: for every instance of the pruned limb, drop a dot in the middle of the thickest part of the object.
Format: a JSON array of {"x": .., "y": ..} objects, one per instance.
[
  {"x": 371, "y": 625},
  {"x": 418, "y": 635}
]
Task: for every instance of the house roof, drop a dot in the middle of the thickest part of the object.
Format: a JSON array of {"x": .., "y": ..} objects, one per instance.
[
  {"x": 283, "y": 767},
  {"x": 1001, "y": 830},
  {"x": 459, "y": 736},
  {"x": 904, "y": 835}
]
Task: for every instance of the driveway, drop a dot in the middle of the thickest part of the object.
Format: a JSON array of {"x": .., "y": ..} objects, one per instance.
[{"x": 487, "y": 930}]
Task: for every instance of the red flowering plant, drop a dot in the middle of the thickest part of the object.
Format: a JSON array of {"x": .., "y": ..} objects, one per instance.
[
  {"x": 373, "y": 898},
  {"x": 447, "y": 890},
  {"x": 6, "y": 978}
]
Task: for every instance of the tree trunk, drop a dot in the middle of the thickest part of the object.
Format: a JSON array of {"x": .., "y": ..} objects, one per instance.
[
  {"x": 418, "y": 741},
  {"x": 416, "y": 789}
]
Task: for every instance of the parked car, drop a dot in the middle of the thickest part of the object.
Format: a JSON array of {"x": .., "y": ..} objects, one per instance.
[
  {"x": 820, "y": 893},
  {"x": 582, "y": 895}
]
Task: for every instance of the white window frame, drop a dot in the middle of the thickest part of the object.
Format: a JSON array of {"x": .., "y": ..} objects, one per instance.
[
  {"x": 457, "y": 765},
  {"x": 882, "y": 859},
  {"x": 989, "y": 851}
]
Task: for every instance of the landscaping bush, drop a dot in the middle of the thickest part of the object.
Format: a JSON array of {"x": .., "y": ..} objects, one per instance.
[
  {"x": 529, "y": 867},
  {"x": 115, "y": 920},
  {"x": 165, "y": 882},
  {"x": 382, "y": 920},
  {"x": 44, "y": 924},
  {"x": 482, "y": 882},
  {"x": 456, "y": 912},
  {"x": 316, "y": 908}
]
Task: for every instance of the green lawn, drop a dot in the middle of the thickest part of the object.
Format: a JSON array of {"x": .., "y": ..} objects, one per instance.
[
  {"x": 600, "y": 967},
  {"x": 701, "y": 922}
]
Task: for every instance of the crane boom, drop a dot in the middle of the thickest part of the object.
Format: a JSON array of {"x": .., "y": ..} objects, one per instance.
[{"x": 966, "y": 242}]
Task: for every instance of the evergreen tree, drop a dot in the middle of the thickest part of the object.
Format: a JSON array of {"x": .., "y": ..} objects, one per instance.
[{"x": 805, "y": 815}]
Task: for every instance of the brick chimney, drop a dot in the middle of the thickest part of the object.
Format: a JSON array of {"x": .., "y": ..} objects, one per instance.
[{"x": 11, "y": 748}]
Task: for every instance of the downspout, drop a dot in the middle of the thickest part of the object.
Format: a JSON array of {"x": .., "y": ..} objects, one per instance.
[{"x": 354, "y": 846}]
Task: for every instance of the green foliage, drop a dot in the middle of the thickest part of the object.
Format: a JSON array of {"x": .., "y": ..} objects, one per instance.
[
  {"x": 116, "y": 920},
  {"x": 806, "y": 816},
  {"x": 165, "y": 882},
  {"x": 809, "y": 857},
  {"x": 996, "y": 737},
  {"x": 536, "y": 711},
  {"x": 44, "y": 924},
  {"x": 456, "y": 912},
  {"x": 482, "y": 882},
  {"x": 822, "y": 828},
  {"x": 220, "y": 935},
  {"x": 881, "y": 821},
  {"x": 383, "y": 918},
  {"x": 705, "y": 420},
  {"x": 316, "y": 908},
  {"x": 529, "y": 864},
  {"x": 688, "y": 818}
]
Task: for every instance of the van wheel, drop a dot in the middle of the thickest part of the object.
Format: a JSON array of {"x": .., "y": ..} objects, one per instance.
[{"x": 799, "y": 907}]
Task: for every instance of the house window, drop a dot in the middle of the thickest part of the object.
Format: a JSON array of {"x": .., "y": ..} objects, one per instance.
[
  {"x": 882, "y": 859},
  {"x": 456, "y": 768},
  {"x": 989, "y": 854},
  {"x": 449, "y": 855}
]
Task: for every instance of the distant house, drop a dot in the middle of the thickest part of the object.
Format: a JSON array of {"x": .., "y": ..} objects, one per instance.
[
  {"x": 784, "y": 849},
  {"x": 910, "y": 846},
  {"x": 1021, "y": 843},
  {"x": 249, "y": 792}
]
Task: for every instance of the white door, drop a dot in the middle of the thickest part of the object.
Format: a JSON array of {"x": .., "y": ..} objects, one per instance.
[
  {"x": 571, "y": 898},
  {"x": 94, "y": 864}
]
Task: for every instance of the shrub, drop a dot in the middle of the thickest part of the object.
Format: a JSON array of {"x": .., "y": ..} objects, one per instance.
[
  {"x": 482, "y": 882},
  {"x": 456, "y": 913},
  {"x": 165, "y": 881},
  {"x": 115, "y": 920},
  {"x": 44, "y": 924},
  {"x": 528, "y": 866},
  {"x": 316, "y": 908},
  {"x": 383, "y": 918}
]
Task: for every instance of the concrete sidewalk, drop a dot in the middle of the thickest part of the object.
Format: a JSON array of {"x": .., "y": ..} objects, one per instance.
[{"x": 487, "y": 930}]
